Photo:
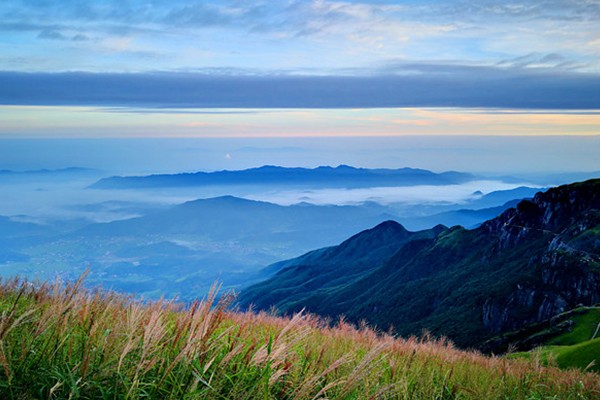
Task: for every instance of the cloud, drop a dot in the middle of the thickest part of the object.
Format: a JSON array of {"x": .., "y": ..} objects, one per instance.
[
  {"x": 51, "y": 34},
  {"x": 292, "y": 17},
  {"x": 408, "y": 195},
  {"x": 540, "y": 60},
  {"x": 410, "y": 85},
  {"x": 551, "y": 10},
  {"x": 297, "y": 34},
  {"x": 295, "y": 14},
  {"x": 80, "y": 38},
  {"x": 184, "y": 111},
  {"x": 200, "y": 15}
]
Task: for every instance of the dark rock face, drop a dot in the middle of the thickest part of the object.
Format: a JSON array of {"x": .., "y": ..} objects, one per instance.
[
  {"x": 507, "y": 315},
  {"x": 563, "y": 274}
]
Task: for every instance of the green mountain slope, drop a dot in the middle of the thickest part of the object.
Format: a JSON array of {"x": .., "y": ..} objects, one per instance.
[
  {"x": 525, "y": 266},
  {"x": 334, "y": 267}
]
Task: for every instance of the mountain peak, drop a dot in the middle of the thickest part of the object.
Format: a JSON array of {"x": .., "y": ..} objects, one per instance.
[
  {"x": 225, "y": 200},
  {"x": 346, "y": 167},
  {"x": 390, "y": 224},
  {"x": 387, "y": 230}
]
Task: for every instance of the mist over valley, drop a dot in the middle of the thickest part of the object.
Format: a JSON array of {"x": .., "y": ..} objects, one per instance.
[{"x": 177, "y": 240}]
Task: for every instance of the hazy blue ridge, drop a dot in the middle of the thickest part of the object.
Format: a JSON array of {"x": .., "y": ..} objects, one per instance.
[
  {"x": 342, "y": 175},
  {"x": 180, "y": 250},
  {"x": 11, "y": 176},
  {"x": 9, "y": 228},
  {"x": 470, "y": 218}
]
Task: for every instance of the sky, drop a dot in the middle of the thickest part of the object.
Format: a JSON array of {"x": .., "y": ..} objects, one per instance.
[{"x": 291, "y": 68}]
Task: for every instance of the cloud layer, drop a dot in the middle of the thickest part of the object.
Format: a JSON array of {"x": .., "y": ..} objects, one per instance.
[
  {"x": 301, "y": 53},
  {"x": 409, "y": 86}
]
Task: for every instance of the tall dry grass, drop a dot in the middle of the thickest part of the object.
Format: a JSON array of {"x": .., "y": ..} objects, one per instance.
[{"x": 61, "y": 341}]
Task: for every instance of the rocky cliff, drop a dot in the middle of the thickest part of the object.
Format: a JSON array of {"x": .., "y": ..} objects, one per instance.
[{"x": 565, "y": 268}]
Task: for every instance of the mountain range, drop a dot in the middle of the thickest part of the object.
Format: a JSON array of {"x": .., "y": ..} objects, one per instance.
[
  {"x": 530, "y": 263},
  {"x": 340, "y": 176},
  {"x": 183, "y": 249},
  {"x": 10, "y": 176},
  {"x": 180, "y": 250}
]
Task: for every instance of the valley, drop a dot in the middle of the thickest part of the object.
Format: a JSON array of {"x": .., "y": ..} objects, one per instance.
[
  {"x": 412, "y": 266},
  {"x": 150, "y": 243}
]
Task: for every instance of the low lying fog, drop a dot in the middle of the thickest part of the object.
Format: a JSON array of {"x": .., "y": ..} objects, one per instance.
[
  {"x": 46, "y": 201},
  {"x": 410, "y": 195}
]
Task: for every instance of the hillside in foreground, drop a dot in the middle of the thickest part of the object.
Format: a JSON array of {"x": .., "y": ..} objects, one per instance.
[{"x": 61, "y": 341}]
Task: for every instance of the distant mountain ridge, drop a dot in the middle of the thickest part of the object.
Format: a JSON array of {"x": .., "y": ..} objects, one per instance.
[
  {"x": 229, "y": 217},
  {"x": 525, "y": 266},
  {"x": 68, "y": 170},
  {"x": 10, "y": 176},
  {"x": 342, "y": 175},
  {"x": 182, "y": 250},
  {"x": 468, "y": 218}
]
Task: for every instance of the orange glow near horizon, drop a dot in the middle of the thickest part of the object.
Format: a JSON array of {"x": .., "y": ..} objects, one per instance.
[{"x": 88, "y": 122}]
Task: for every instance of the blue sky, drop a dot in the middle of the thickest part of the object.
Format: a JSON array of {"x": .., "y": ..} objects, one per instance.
[
  {"x": 297, "y": 37},
  {"x": 427, "y": 64}
]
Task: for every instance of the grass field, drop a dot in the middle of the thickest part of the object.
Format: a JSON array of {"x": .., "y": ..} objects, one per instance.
[
  {"x": 61, "y": 341},
  {"x": 578, "y": 347}
]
